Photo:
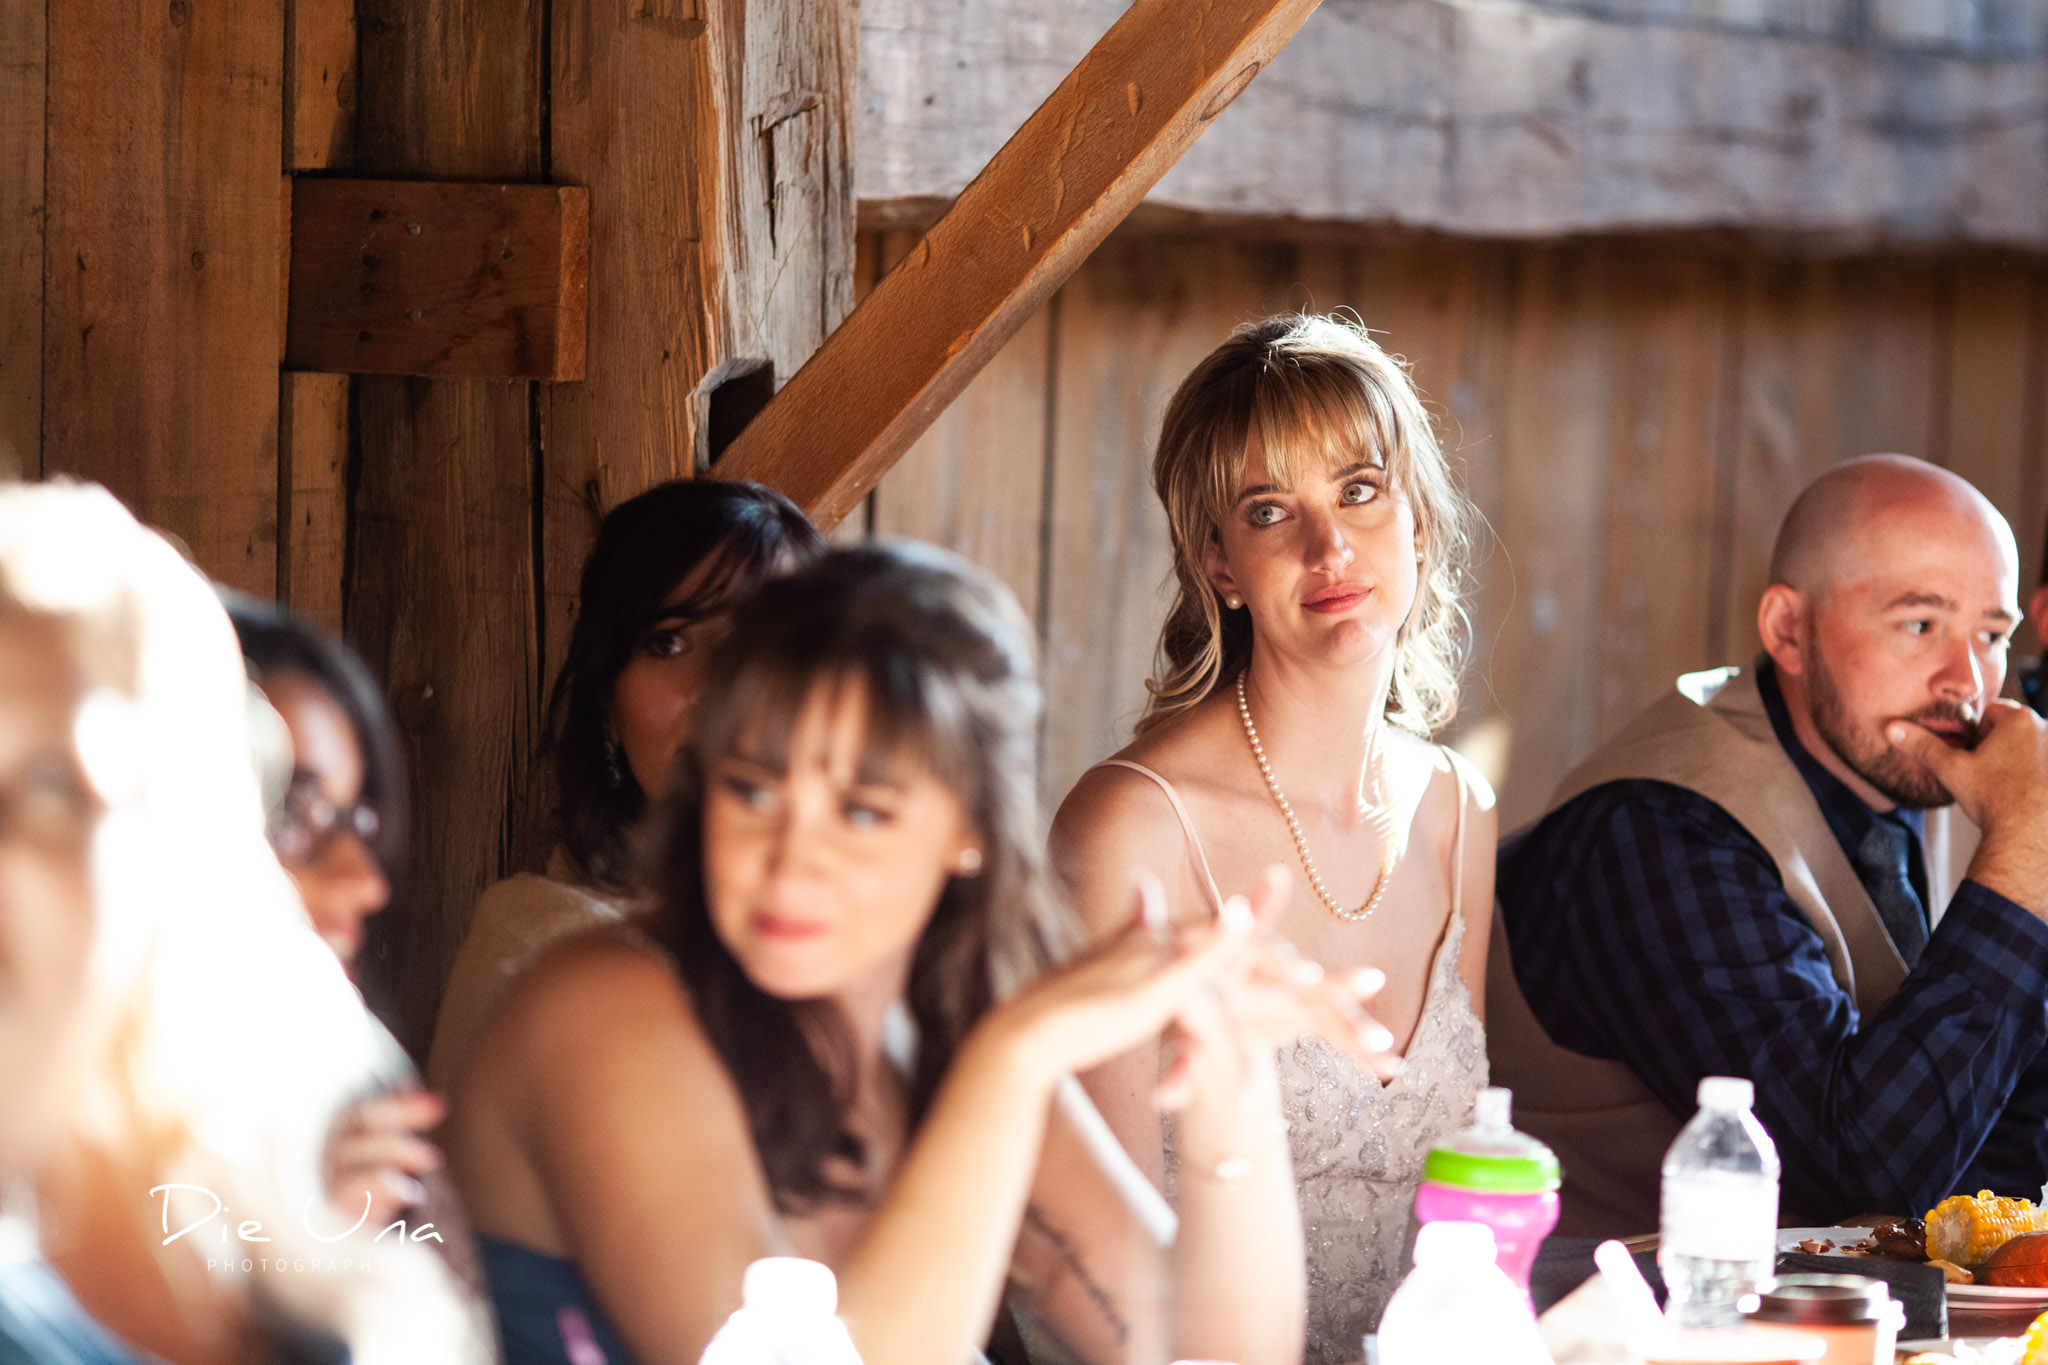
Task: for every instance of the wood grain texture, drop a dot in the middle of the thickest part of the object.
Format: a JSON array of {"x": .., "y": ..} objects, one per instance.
[
  {"x": 438, "y": 278},
  {"x": 312, "y": 547},
  {"x": 1523, "y": 119},
  {"x": 1076, "y": 167},
  {"x": 975, "y": 482},
  {"x": 716, "y": 144},
  {"x": 320, "y": 84},
  {"x": 441, "y": 606},
  {"x": 23, "y": 48},
  {"x": 161, "y": 268},
  {"x": 441, "y": 595},
  {"x": 1132, "y": 324}
]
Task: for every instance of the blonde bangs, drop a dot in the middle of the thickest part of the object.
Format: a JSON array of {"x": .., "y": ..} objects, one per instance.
[{"x": 1322, "y": 397}]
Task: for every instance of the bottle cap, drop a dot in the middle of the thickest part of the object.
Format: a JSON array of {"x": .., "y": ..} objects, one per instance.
[
  {"x": 1491, "y": 1156},
  {"x": 790, "y": 1284},
  {"x": 1726, "y": 1092},
  {"x": 1454, "y": 1243}
]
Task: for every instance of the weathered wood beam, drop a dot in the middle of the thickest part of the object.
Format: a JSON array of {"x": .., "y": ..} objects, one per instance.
[
  {"x": 1071, "y": 173},
  {"x": 722, "y": 237},
  {"x": 162, "y": 242},
  {"x": 1913, "y": 120},
  {"x": 23, "y": 47},
  {"x": 440, "y": 596},
  {"x": 319, "y": 84},
  {"x": 438, "y": 278}
]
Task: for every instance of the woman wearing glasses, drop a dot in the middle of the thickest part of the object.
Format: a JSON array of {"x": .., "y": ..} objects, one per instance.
[
  {"x": 338, "y": 829},
  {"x": 339, "y": 825}
]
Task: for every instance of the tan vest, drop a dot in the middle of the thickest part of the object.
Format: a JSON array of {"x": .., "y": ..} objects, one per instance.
[{"x": 1712, "y": 736}]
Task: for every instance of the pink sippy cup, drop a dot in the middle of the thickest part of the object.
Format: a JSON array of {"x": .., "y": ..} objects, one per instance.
[{"x": 1494, "y": 1175}]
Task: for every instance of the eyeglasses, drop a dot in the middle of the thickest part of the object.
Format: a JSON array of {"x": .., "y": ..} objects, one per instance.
[{"x": 306, "y": 824}]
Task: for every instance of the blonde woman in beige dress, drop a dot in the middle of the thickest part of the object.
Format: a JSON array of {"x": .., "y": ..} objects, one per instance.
[{"x": 1309, "y": 656}]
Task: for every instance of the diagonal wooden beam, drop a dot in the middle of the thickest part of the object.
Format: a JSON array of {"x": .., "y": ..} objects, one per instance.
[{"x": 1125, "y": 114}]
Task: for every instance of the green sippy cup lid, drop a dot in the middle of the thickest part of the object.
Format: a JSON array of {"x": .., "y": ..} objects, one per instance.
[{"x": 1491, "y": 1156}]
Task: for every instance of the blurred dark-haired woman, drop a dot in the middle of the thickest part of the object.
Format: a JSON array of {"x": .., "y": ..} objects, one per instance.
[
  {"x": 656, "y": 594},
  {"x": 848, "y": 1032}
]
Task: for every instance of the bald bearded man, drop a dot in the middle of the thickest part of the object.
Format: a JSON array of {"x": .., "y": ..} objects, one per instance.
[{"x": 1740, "y": 884}]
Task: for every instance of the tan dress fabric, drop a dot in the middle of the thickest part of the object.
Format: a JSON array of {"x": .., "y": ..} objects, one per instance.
[
  {"x": 1358, "y": 1145},
  {"x": 514, "y": 920},
  {"x": 1713, "y": 736}
]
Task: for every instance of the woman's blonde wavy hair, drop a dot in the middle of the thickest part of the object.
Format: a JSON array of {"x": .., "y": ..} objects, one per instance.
[{"x": 1320, "y": 393}]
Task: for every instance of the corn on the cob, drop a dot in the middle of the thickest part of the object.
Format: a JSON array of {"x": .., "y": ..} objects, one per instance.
[{"x": 1966, "y": 1229}]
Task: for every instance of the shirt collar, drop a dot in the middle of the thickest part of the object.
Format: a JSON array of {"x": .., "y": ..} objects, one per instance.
[{"x": 1847, "y": 816}]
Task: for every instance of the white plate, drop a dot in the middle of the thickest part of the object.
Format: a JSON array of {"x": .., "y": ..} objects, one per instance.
[{"x": 1996, "y": 1298}]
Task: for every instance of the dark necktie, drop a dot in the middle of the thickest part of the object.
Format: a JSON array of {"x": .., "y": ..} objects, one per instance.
[{"x": 1882, "y": 867}]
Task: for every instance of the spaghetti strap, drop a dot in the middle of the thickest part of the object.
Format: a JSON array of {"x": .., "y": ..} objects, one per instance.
[
  {"x": 1458, "y": 830},
  {"x": 1187, "y": 825}
]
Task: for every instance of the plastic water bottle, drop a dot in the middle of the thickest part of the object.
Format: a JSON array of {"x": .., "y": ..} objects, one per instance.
[
  {"x": 1457, "y": 1307},
  {"x": 1720, "y": 1208},
  {"x": 1494, "y": 1175},
  {"x": 787, "y": 1316}
]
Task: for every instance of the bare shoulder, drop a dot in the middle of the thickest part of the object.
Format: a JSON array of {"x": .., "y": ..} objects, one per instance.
[
  {"x": 602, "y": 997},
  {"x": 1438, "y": 778},
  {"x": 1118, "y": 819}
]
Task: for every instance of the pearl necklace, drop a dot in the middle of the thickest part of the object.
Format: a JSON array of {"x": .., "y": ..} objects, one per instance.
[{"x": 1382, "y": 818}]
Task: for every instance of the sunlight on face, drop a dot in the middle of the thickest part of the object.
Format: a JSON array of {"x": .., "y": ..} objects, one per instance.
[
  {"x": 1326, "y": 566},
  {"x": 822, "y": 876},
  {"x": 1916, "y": 626},
  {"x": 48, "y": 813}
]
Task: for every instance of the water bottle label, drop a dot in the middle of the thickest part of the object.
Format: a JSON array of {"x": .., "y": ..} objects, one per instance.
[{"x": 1720, "y": 1222}]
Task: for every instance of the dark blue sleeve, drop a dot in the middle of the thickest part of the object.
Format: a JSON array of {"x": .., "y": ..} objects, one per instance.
[{"x": 1647, "y": 926}]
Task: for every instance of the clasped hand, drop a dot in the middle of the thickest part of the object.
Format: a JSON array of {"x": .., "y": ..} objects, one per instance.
[{"x": 1226, "y": 992}]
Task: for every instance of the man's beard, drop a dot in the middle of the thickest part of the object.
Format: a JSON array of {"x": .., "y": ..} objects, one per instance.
[{"x": 1902, "y": 781}]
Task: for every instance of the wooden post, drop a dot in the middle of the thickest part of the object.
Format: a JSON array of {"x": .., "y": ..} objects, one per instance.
[
  {"x": 717, "y": 151},
  {"x": 1077, "y": 166},
  {"x": 161, "y": 267},
  {"x": 440, "y": 598},
  {"x": 22, "y": 49},
  {"x": 714, "y": 145}
]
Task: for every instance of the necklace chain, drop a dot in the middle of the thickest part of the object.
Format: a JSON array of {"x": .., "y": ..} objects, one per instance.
[{"x": 1382, "y": 817}]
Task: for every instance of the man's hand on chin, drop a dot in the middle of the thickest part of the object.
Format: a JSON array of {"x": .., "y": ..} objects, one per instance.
[{"x": 2002, "y": 785}]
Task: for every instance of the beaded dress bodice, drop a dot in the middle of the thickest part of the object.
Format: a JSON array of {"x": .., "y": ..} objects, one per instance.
[
  {"x": 1358, "y": 1148},
  {"x": 1357, "y": 1145}
]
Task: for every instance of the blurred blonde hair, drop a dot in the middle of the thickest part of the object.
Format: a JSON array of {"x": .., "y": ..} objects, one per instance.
[
  {"x": 1321, "y": 394},
  {"x": 228, "y": 1039}
]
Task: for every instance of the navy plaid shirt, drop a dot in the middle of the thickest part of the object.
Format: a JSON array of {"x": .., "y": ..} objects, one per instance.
[{"x": 1646, "y": 926}]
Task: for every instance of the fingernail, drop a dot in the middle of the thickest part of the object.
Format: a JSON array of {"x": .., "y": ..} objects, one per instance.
[
  {"x": 1379, "y": 1039},
  {"x": 1371, "y": 979},
  {"x": 1308, "y": 973},
  {"x": 1236, "y": 915},
  {"x": 1895, "y": 733},
  {"x": 1395, "y": 1066},
  {"x": 411, "y": 1191}
]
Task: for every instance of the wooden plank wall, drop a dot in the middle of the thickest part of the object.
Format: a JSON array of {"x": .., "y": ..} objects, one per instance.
[
  {"x": 1631, "y": 417},
  {"x": 161, "y": 281}
]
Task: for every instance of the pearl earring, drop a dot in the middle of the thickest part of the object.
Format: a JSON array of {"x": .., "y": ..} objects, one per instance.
[
  {"x": 1232, "y": 600},
  {"x": 970, "y": 861}
]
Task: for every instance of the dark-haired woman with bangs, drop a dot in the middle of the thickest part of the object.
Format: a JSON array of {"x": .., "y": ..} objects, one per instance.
[
  {"x": 848, "y": 1030},
  {"x": 656, "y": 593}
]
